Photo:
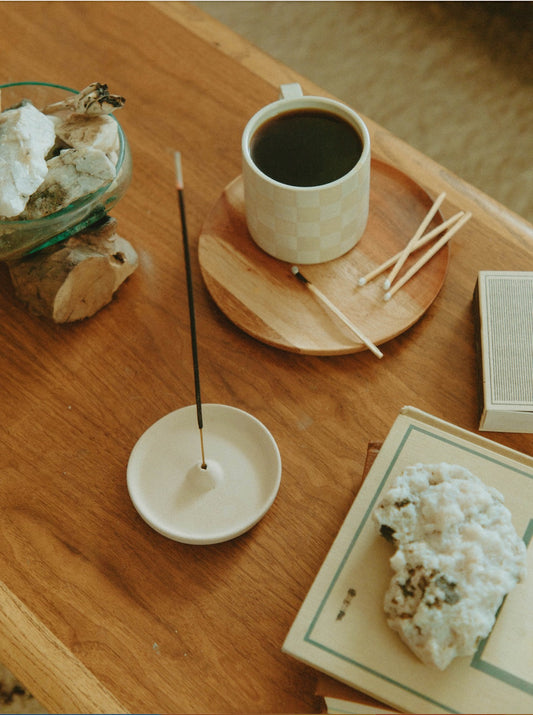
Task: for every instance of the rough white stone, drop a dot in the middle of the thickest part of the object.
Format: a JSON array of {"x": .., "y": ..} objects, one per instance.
[
  {"x": 99, "y": 132},
  {"x": 26, "y": 137},
  {"x": 72, "y": 174}
]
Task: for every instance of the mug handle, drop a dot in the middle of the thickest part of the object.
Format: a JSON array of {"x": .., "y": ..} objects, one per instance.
[{"x": 290, "y": 91}]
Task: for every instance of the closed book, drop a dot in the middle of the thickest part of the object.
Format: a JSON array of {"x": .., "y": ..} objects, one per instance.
[{"x": 503, "y": 307}]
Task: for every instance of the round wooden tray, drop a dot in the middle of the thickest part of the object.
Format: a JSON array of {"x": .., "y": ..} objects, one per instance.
[{"x": 262, "y": 297}]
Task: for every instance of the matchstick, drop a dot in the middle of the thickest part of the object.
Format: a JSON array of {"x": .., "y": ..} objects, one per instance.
[
  {"x": 370, "y": 345},
  {"x": 421, "y": 243},
  {"x": 427, "y": 256},
  {"x": 413, "y": 241}
]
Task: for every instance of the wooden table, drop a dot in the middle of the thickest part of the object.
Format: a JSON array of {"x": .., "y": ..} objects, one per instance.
[{"x": 98, "y": 613}]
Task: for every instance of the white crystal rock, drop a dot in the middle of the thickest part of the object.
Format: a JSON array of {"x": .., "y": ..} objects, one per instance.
[
  {"x": 26, "y": 137},
  {"x": 99, "y": 132},
  {"x": 72, "y": 174}
]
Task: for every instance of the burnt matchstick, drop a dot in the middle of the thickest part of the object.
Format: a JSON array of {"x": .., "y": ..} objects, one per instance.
[
  {"x": 370, "y": 345},
  {"x": 190, "y": 296}
]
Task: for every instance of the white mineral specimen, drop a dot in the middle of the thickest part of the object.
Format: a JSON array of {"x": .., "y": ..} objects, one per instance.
[
  {"x": 96, "y": 131},
  {"x": 457, "y": 557},
  {"x": 26, "y": 137},
  {"x": 72, "y": 174}
]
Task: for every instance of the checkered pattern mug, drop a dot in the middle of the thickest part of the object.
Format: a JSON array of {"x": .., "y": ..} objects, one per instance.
[{"x": 306, "y": 224}]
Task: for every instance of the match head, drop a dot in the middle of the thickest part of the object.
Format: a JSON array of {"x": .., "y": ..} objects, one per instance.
[
  {"x": 296, "y": 273},
  {"x": 386, "y": 284},
  {"x": 387, "y": 296},
  {"x": 361, "y": 281}
]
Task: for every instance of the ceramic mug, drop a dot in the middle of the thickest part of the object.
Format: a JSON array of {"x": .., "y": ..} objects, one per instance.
[{"x": 306, "y": 224}]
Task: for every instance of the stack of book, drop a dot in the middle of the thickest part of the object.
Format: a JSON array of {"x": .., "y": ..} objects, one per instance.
[{"x": 341, "y": 629}]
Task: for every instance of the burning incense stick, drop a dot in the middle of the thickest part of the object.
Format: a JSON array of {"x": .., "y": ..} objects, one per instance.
[
  {"x": 421, "y": 243},
  {"x": 370, "y": 345},
  {"x": 427, "y": 256},
  {"x": 192, "y": 319},
  {"x": 413, "y": 241}
]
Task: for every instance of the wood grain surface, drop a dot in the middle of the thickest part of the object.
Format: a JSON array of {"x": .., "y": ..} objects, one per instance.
[
  {"x": 128, "y": 620},
  {"x": 260, "y": 295}
]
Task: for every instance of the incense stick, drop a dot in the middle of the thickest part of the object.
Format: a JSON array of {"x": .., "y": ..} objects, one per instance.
[
  {"x": 427, "y": 256},
  {"x": 413, "y": 241},
  {"x": 370, "y": 345},
  {"x": 426, "y": 238},
  {"x": 190, "y": 296}
]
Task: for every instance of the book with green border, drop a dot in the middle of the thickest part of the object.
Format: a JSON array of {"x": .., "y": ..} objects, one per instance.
[{"x": 341, "y": 628}]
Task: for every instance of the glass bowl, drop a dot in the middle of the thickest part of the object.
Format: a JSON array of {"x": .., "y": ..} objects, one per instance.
[{"x": 19, "y": 237}]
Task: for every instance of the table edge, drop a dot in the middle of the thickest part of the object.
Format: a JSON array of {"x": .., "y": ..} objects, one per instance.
[{"x": 61, "y": 667}]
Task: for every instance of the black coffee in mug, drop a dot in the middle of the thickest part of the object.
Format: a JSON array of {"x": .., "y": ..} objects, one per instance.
[{"x": 306, "y": 147}]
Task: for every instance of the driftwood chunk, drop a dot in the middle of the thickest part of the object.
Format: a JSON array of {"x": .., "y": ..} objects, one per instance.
[
  {"x": 74, "y": 279},
  {"x": 94, "y": 100}
]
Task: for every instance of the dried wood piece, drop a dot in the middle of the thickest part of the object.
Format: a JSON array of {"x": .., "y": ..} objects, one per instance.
[
  {"x": 76, "y": 278},
  {"x": 94, "y": 99}
]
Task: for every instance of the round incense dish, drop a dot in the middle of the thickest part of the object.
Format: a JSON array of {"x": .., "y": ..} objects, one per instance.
[{"x": 187, "y": 503}]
